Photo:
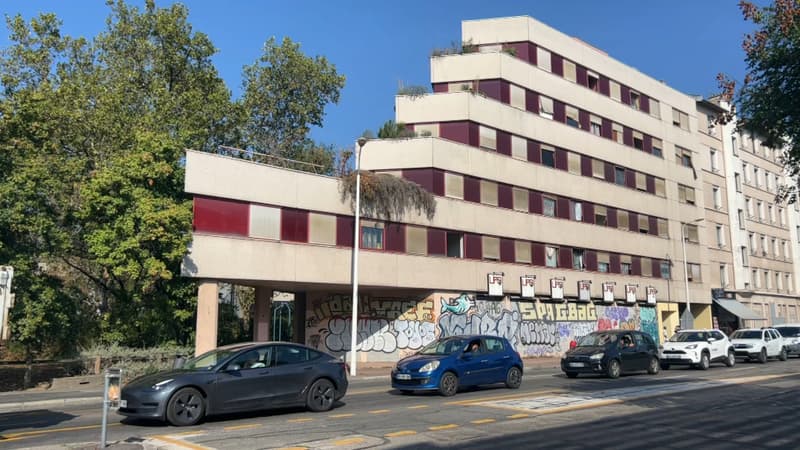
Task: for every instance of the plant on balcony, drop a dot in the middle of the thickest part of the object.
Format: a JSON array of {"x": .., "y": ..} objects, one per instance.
[
  {"x": 395, "y": 130},
  {"x": 455, "y": 49},
  {"x": 412, "y": 91},
  {"x": 388, "y": 197}
]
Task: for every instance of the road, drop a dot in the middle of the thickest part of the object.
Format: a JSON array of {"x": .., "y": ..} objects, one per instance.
[{"x": 750, "y": 405}]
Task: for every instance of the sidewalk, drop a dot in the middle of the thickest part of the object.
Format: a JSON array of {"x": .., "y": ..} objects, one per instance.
[{"x": 66, "y": 396}]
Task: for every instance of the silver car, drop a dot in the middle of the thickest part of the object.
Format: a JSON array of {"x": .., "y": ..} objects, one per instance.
[{"x": 791, "y": 337}]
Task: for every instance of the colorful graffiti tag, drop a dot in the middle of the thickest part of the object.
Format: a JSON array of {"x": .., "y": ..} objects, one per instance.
[{"x": 390, "y": 328}]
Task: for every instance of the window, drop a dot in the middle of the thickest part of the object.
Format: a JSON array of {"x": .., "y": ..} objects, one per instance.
[
  {"x": 417, "y": 240},
  {"x": 680, "y": 119},
  {"x": 661, "y": 189},
  {"x": 522, "y": 252},
  {"x": 549, "y": 206},
  {"x": 767, "y": 280},
  {"x": 663, "y": 230},
  {"x": 693, "y": 271},
  {"x": 644, "y": 224},
  {"x": 748, "y": 203},
  {"x": 520, "y": 199},
  {"x": 577, "y": 259},
  {"x": 774, "y": 248},
  {"x": 551, "y": 256},
  {"x": 546, "y": 107},
  {"x": 616, "y": 132},
  {"x": 322, "y": 229},
  {"x": 594, "y": 81},
  {"x": 768, "y": 180},
  {"x": 753, "y": 244},
  {"x": 603, "y": 262},
  {"x": 711, "y": 123},
  {"x": 598, "y": 169},
  {"x": 763, "y": 245},
  {"x": 622, "y": 220},
  {"x": 717, "y": 197},
  {"x": 600, "y": 215},
  {"x": 569, "y": 71},
  {"x": 548, "y": 157},
  {"x": 691, "y": 233},
  {"x": 615, "y": 90},
  {"x": 265, "y": 222},
  {"x": 782, "y": 216},
  {"x": 665, "y": 270},
  {"x": 734, "y": 146},
  {"x": 574, "y": 163},
  {"x": 686, "y": 194},
  {"x": 638, "y": 140},
  {"x": 625, "y": 268},
  {"x": 757, "y": 176},
  {"x": 255, "y": 359},
  {"x": 756, "y": 281},
  {"x": 746, "y": 173},
  {"x": 488, "y": 193},
  {"x": 641, "y": 181},
  {"x": 635, "y": 100},
  {"x": 619, "y": 176},
  {"x": 491, "y": 247},
  {"x": 771, "y": 213},
  {"x": 519, "y": 148},
  {"x": 723, "y": 275},
  {"x": 543, "y": 59},
  {"x": 713, "y": 157},
  {"x": 517, "y": 96},
  {"x": 740, "y": 215},
  {"x": 576, "y": 210},
  {"x": 657, "y": 147},
  {"x": 738, "y": 182},
  {"x": 743, "y": 250},
  {"x": 572, "y": 116},
  {"x": 488, "y": 138},
  {"x": 455, "y": 244},
  {"x": 720, "y": 236},
  {"x": 760, "y": 211},
  {"x": 684, "y": 156},
  {"x": 596, "y": 125},
  {"x": 785, "y": 250},
  {"x": 647, "y": 267},
  {"x": 372, "y": 235},
  {"x": 655, "y": 108},
  {"x": 453, "y": 185}
]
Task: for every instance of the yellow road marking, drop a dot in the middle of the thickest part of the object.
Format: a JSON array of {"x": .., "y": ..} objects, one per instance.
[
  {"x": 518, "y": 416},
  {"x": 56, "y": 430},
  {"x": 339, "y": 416},
  {"x": 418, "y": 407},
  {"x": 350, "y": 441},
  {"x": 188, "y": 433},
  {"x": 380, "y": 411},
  {"x": 181, "y": 443},
  {"x": 293, "y": 448},
  {"x": 482, "y": 421},
  {"x": 242, "y": 427},
  {"x": 299, "y": 420},
  {"x": 401, "y": 433},
  {"x": 443, "y": 427},
  {"x": 13, "y": 439}
]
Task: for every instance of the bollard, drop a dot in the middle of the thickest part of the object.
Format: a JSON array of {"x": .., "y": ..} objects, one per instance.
[{"x": 111, "y": 399}]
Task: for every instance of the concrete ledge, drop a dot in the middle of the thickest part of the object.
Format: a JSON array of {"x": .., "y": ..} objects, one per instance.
[{"x": 49, "y": 404}]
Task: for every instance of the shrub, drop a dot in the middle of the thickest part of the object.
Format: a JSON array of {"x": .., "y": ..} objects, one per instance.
[{"x": 134, "y": 362}]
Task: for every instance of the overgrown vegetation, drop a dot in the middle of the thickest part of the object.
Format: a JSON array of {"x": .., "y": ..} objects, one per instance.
[
  {"x": 455, "y": 48},
  {"x": 134, "y": 361},
  {"x": 395, "y": 130},
  {"x": 412, "y": 91},
  {"x": 388, "y": 197}
]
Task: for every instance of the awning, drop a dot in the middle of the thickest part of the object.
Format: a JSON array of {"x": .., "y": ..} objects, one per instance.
[{"x": 738, "y": 309}]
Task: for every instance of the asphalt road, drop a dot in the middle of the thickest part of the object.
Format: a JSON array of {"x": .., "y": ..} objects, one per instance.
[{"x": 750, "y": 405}]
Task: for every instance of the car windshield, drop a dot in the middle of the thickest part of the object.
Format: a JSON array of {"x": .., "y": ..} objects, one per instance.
[
  {"x": 209, "y": 359},
  {"x": 789, "y": 331},
  {"x": 746, "y": 334},
  {"x": 444, "y": 346},
  {"x": 597, "y": 339},
  {"x": 687, "y": 337}
]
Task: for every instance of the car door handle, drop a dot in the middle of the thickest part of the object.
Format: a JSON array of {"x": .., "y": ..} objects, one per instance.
[
  {"x": 506, "y": 357},
  {"x": 307, "y": 368}
]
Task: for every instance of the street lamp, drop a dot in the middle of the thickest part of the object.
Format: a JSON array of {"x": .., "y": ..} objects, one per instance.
[
  {"x": 687, "y": 319},
  {"x": 6, "y": 276},
  {"x": 356, "y": 244}
]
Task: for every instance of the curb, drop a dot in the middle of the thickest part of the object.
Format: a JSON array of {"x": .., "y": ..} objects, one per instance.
[{"x": 60, "y": 402}]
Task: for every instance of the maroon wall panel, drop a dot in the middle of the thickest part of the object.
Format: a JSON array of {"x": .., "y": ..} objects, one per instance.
[
  {"x": 538, "y": 255},
  {"x": 557, "y": 64},
  {"x": 609, "y": 172},
  {"x": 532, "y": 101},
  {"x": 644, "y": 103},
  {"x": 438, "y": 181},
  {"x": 533, "y": 56},
  {"x": 505, "y": 92},
  {"x": 590, "y": 260},
  {"x": 559, "y": 111},
  {"x": 395, "y": 237},
  {"x": 630, "y": 179},
  {"x": 583, "y": 117},
  {"x": 648, "y": 143},
  {"x": 611, "y": 219},
  {"x": 565, "y": 257},
  {"x": 588, "y": 213},
  {"x": 562, "y": 208},
  {"x": 423, "y": 177},
  {"x": 605, "y": 128},
  {"x": 656, "y": 268},
  {"x": 503, "y": 143},
  {"x": 505, "y": 198},
  {"x": 561, "y": 159},
  {"x": 344, "y": 231},
  {"x": 627, "y": 136},
  {"x": 294, "y": 225},
  {"x": 586, "y": 166},
  {"x": 652, "y": 223},
  {"x": 473, "y": 247},
  {"x": 651, "y": 184},
  {"x": 605, "y": 89},
  {"x": 507, "y": 250},
  {"x": 613, "y": 262},
  {"x": 437, "y": 242},
  {"x": 636, "y": 266},
  {"x": 214, "y": 215},
  {"x": 534, "y": 152},
  {"x": 522, "y": 50},
  {"x": 633, "y": 221},
  {"x": 535, "y": 202},
  {"x": 625, "y": 94},
  {"x": 472, "y": 189},
  {"x": 581, "y": 76},
  {"x": 490, "y": 88},
  {"x": 455, "y": 131},
  {"x": 474, "y": 134},
  {"x": 440, "y": 87}
]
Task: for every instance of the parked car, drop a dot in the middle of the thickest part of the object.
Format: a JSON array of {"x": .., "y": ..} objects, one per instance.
[
  {"x": 697, "y": 348},
  {"x": 758, "y": 344},
  {"x": 239, "y": 377},
  {"x": 449, "y": 363},
  {"x": 791, "y": 337},
  {"x": 612, "y": 353}
]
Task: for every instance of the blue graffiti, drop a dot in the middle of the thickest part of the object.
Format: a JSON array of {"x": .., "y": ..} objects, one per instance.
[{"x": 457, "y": 305}]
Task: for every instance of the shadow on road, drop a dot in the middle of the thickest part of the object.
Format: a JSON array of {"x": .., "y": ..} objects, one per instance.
[{"x": 38, "y": 418}]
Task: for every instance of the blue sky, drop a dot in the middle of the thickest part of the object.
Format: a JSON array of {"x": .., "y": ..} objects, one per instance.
[{"x": 379, "y": 44}]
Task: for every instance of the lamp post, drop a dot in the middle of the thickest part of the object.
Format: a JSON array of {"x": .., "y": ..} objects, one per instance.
[
  {"x": 356, "y": 245},
  {"x": 6, "y": 276},
  {"x": 687, "y": 320}
]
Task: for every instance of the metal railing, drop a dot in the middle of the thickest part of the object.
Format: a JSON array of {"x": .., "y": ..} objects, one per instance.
[{"x": 270, "y": 160}]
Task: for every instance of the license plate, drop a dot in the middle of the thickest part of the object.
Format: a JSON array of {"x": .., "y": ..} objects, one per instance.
[
  {"x": 668, "y": 355},
  {"x": 576, "y": 364},
  {"x": 403, "y": 376}
]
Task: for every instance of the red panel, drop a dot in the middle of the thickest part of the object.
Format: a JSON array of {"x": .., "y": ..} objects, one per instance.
[
  {"x": 583, "y": 117},
  {"x": 490, "y": 88},
  {"x": 532, "y": 101},
  {"x": 590, "y": 260},
  {"x": 455, "y": 131},
  {"x": 565, "y": 257},
  {"x": 294, "y": 225},
  {"x": 473, "y": 246},
  {"x": 535, "y": 202},
  {"x": 605, "y": 88},
  {"x": 557, "y": 64},
  {"x": 581, "y": 75},
  {"x": 613, "y": 262},
  {"x": 538, "y": 255},
  {"x": 609, "y": 172},
  {"x": 653, "y": 225},
  {"x": 440, "y": 87},
  {"x": 630, "y": 179},
  {"x": 214, "y": 215},
  {"x": 611, "y": 219},
  {"x": 586, "y": 166},
  {"x": 507, "y": 250},
  {"x": 559, "y": 111},
  {"x": 394, "y": 235},
  {"x": 648, "y": 143},
  {"x": 423, "y": 177},
  {"x": 521, "y": 50},
  {"x": 534, "y": 152},
  {"x": 505, "y": 92},
  {"x": 474, "y": 134},
  {"x": 503, "y": 143},
  {"x": 625, "y": 94},
  {"x": 644, "y": 103},
  {"x": 505, "y": 198},
  {"x": 562, "y": 208},
  {"x": 438, "y": 181},
  {"x": 651, "y": 184},
  {"x": 588, "y": 213},
  {"x": 437, "y": 242},
  {"x": 656, "y": 268},
  {"x": 532, "y": 54},
  {"x": 633, "y": 221},
  {"x": 627, "y": 136},
  {"x": 561, "y": 159},
  {"x": 636, "y": 266},
  {"x": 344, "y": 231},
  {"x": 472, "y": 189},
  {"x": 605, "y": 129}
]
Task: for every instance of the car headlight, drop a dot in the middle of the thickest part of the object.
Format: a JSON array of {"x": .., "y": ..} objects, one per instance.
[
  {"x": 691, "y": 346},
  {"x": 161, "y": 384},
  {"x": 596, "y": 357},
  {"x": 430, "y": 367}
]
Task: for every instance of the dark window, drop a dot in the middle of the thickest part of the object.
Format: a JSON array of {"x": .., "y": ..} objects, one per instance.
[
  {"x": 665, "y": 270},
  {"x": 625, "y": 268},
  {"x": 619, "y": 176},
  {"x": 493, "y": 345},
  {"x": 577, "y": 259},
  {"x": 594, "y": 82},
  {"x": 285, "y": 355},
  {"x": 638, "y": 142},
  {"x": 549, "y": 158},
  {"x": 455, "y": 245},
  {"x": 371, "y": 237}
]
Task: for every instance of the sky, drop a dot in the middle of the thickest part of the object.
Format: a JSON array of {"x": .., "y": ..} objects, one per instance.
[{"x": 379, "y": 45}]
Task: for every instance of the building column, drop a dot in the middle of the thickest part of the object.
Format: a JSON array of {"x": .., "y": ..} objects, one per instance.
[
  {"x": 207, "y": 317},
  {"x": 262, "y": 317},
  {"x": 299, "y": 318}
]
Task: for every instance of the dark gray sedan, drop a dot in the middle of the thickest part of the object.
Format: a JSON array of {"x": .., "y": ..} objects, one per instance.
[{"x": 239, "y": 377}]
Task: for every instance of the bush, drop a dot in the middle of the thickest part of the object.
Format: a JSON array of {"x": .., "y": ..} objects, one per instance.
[{"x": 134, "y": 362}]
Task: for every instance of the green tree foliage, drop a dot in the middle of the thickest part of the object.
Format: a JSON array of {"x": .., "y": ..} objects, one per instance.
[
  {"x": 768, "y": 101},
  {"x": 394, "y": 130}
]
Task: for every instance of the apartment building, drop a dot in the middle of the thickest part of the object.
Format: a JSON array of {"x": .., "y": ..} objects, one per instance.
[{"x": 573, "y": 192}]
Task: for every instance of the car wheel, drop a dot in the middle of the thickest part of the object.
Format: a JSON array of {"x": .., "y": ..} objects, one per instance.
[
  {"x": 731, "y": 360},
  {"x": 613, "y": 370},
  {"x": 513, "y": 378},
  {"x": 783, "y": 356},
  {"x": 664, "y": 366},
  {"x": 653, "y": 367},
  {"x": 572, "y": 374},
  {"x": 762, "y": 357},
  {"x": 448, "y": 384},
  {"x": 186, "y": 407},
  {"x": 704, "y": 362},
  {"x": 321, "y": 396}
]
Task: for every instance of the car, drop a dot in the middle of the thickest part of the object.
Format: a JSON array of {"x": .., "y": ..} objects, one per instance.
[
  {"x": 453, "y": 362},
  {"x": 234, "y": 378},
  {"x": 759, "y": 344},
  {"x": 697, "y": 348},
  {"x": 791, "y": 337},
  {"x": 612, "y": 352}
]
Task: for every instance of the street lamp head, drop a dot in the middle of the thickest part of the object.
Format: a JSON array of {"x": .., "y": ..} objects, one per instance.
[{"x": 361, "y": 141}]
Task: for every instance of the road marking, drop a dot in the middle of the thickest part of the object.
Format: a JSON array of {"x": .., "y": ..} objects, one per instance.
[
  {"x": 56, "y": 430},
  {"x": 188, "y": 433},
  {"x": 400, "y": 433},
  {"x": 367, "y": 391},
  {"x": 417, "y": 406},
  {"x": 506, "y": 397},
  {"x": 339, "y": 416},
  {"x": 482, "y": 421},
  {"x": 242, "y": 427},
  {"x": 380, "y": 411},
  {"x": 350, "y": 441},
  {"x": 293, "y": 448},
  {"x": 181, "y": 443},
  {"x": 449, "y": 426},
  {"x": 518, "y": 416},
  {"x": 299, "y": 420}
]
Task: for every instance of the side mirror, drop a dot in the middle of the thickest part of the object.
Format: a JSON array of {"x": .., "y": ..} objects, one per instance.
[
  {"x": 711, "y": 339},
  {"x": 233, "y": 368}
]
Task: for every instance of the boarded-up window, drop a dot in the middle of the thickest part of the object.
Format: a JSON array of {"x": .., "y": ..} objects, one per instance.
[
  {"x": 661, "y": 190},
  {"x": 522, "y": 251},
  {"x": 574, "y": 163},
  {"x": 491, "y": 247},
  {"x": 417, "y": 240},
  {"x": 322, "y": 229},
  {"x": 517, "y": 96},
  {"x": 615, "y": 90},
  {"x": 520, "y": 199},
  {"x": 427, "y": 129},
  {"x": 488, "y": 192},
  {"x": 546, "y": 107},
  {"x": 519, "y": 148},
  {"x": 663, "y": 230},
  {"x": 655, "y": 108},
  {"x": 598, "y": 169},
  {"x": 265, "y": 222},
  {"x": 543, "y": 59},
  {"x": 641, "y": 181},
  {"x": 569, "y": 71},
  {"x": 622, "y": 220},
  {"x": 453, "y": 185},
  {"x": 488, "y": 137}
]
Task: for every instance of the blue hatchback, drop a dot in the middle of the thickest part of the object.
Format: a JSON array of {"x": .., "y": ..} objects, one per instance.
[{"x": 459, "y": 361}]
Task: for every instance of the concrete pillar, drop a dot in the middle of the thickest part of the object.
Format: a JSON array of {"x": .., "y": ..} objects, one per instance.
[
  {"x": 702, "y": 316},
  {"x": 262, "y": 314},
  {"x": 299, "y": 326},
  {"x": 207, "y": 317}
]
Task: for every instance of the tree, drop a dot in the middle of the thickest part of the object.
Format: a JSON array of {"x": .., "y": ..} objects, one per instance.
[
  {"x": 768, "y": 101},
  {"x": 394, "y": 130}
]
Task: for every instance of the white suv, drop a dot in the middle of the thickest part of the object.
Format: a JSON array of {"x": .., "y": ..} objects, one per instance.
[
  {"x": 791, "y": 337},
  {"x": 759, "y": 344},
  {"x": 697, "y": 348}
]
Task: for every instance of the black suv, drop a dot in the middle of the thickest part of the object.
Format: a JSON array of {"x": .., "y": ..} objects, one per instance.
[{"x": 612, "y": 352}]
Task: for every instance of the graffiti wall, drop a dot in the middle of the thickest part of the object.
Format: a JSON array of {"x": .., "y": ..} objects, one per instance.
[{"x": 391, "y": 328}]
